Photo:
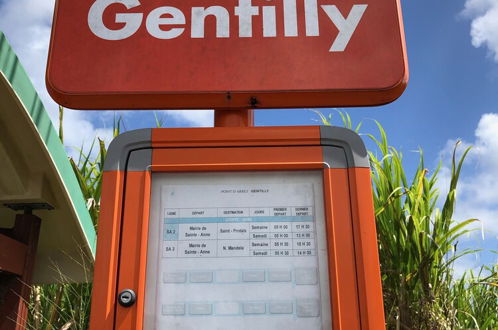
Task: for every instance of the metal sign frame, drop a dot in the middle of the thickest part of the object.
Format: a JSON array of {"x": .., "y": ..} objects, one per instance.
[
  {"x": 354, "y": 273},
  {"x": 131, "y": 54}
]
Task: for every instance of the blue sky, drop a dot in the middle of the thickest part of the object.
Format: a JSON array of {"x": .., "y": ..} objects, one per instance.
[{"x": 452, "y": 94}]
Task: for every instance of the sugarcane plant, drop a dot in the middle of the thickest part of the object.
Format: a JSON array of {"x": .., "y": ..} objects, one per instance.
[
  {"x": 418, "y": 245},
  {"x": 66, "y": 305},
  {"x": 417, "y": 241}
]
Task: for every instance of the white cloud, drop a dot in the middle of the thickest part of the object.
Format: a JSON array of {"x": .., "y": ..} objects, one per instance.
[
  {"x": 476, "y": 7},
  {"x": 27, "y": 25},
  {"x": 79, "y": 134},
  {"x": 203, "y": 118},
  {"x": 477, "y": 192},
  {"x": 470, "y": 263},
  {"x": 484, "y": 26}
]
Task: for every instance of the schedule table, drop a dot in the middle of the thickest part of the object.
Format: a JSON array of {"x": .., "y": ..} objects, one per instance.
[
  {"x": 239, "y": 232},
  {"x": 239, "y": 256}
]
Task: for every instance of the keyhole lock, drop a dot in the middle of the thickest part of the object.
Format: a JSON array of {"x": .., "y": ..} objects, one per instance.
[{"x": 127, "y": 298}]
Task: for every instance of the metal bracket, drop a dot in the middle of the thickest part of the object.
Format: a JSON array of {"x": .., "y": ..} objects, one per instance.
[{"x": 29, "y": 207}]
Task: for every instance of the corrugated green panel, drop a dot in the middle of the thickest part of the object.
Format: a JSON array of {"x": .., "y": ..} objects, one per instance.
[{"x": 13, "y": 70}]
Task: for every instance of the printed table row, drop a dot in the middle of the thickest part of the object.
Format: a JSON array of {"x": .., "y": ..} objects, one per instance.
[
  {"x": 206, "y": 231},
  {"x": 239, "y": 248},
  {"x": 240, "y": 212}
]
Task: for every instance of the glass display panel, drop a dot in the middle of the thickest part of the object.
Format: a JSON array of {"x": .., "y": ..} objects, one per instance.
[{"x": 237, "y": 250}]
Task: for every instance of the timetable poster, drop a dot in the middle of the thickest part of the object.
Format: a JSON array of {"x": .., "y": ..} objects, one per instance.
[{"x": 238, "y": 257}]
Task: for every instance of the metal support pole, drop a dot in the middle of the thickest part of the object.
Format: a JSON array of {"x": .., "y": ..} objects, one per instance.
[{"x": 234, "y": 118}]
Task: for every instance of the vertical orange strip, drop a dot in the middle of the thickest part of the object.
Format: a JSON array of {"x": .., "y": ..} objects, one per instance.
[
  {"x": 342, "y": 270},
  {"x": 144, "y": 235},
  {"x": 234, "y": 118},
  {"x": 332, "y": 259},
  {"x": 134, "y": 248},
  {"x": 367, "y": 257},
  {"x": 106, "y": 263}
]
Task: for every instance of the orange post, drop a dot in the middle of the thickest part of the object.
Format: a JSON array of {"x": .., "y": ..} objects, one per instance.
[{"x": 234, "y": 118}]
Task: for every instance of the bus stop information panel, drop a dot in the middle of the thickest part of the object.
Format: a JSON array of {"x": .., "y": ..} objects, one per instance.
[
  {"x": 237, "y": 228},
  {"x": 244, "y": 250}
]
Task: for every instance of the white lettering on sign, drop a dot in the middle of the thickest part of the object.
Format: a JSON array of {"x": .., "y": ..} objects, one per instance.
[
  {"x": 346, "y": 26},
  {"x": 311, "y": 18},
  {"x": 245, "y": 10},
  {"x": 132, "y": 20},
  {"x": 156, "y": 24},
  {"x": 222, "y": 21},
  {"x": 155, "y": 20}
]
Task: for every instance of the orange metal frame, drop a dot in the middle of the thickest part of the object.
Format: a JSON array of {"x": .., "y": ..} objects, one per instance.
[
  {"x": 372, "y": 70},
  {"x": 354, "y": 274}
]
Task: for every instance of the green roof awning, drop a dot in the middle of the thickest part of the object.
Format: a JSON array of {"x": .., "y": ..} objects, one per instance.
[{"x": 34, "y": 168}]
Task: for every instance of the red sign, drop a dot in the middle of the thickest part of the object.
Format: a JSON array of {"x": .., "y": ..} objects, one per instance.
[{"x": 188, "y": 54}]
